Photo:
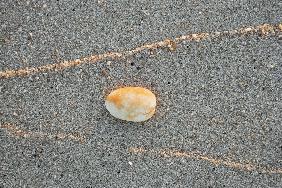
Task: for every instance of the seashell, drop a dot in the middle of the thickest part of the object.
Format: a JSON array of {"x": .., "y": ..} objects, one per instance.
[{"x": 131, "y": 104}]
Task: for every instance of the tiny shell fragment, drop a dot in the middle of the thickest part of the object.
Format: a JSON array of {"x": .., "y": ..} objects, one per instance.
[{"x": 131, "y": 104}]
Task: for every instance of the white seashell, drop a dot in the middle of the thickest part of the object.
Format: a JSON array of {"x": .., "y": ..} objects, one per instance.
[{"x": 131, "y": 104}]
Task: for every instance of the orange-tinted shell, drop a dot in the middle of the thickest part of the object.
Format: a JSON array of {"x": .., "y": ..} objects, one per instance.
[{"x": 131, "y": 104}]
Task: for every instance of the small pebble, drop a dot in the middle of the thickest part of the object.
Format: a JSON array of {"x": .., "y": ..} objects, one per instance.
[{"x": 135, "y": 104}]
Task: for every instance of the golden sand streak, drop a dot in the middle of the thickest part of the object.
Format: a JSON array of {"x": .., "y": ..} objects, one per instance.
[
  {"x": 215, "y": 161},
  {"x": 136, "y": 150},
  {"x": 17, "y": 132},
  {"x": 264, "y": 30}
]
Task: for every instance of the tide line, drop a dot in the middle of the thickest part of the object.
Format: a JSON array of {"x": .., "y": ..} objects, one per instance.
[
  {"x": 173, "y": 153},
  {"x": 20, "y": 133},
  {"x": 171, "y": 44}
]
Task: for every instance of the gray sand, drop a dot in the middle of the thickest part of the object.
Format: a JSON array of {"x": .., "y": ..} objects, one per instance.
[{"x": 220, "y": 97}]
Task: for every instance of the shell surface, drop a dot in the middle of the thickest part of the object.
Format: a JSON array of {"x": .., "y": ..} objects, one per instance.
[{"x": 131, "y": 104}]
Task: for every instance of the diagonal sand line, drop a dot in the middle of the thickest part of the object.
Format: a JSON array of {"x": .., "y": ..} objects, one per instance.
[
  {"x": 17, "y": 132},
  {"x": 264, "y": 30},
  {"x": 173, "y": 153},
  {"x": 166, "y": 153}
]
